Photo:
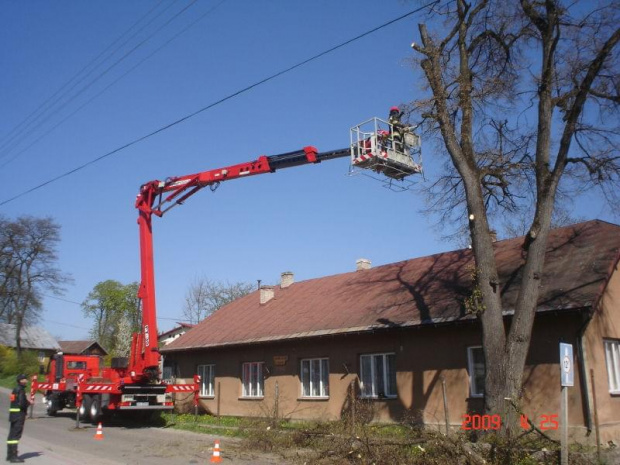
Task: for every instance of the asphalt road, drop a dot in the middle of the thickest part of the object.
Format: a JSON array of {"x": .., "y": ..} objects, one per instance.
[{"x": 56, "y": 441}]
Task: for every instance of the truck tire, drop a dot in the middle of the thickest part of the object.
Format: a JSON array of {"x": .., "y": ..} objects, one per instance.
[
  {"x": 84, "y": 410},
  {"x": 52, "y": 405},
  {"x": 95, "y": 410}
]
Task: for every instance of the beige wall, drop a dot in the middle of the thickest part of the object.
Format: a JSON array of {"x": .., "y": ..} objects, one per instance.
[
  {"x": 424, "y": 357},
  {"x": 605, "y": 324}
]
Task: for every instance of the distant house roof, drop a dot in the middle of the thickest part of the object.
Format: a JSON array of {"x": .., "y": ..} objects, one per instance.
[
  {"x": 426, "y": 290},
  {"x": 182, "y": 327},
  {"x": 81, "y": 347},
  {"x": 31, "y": 337}
]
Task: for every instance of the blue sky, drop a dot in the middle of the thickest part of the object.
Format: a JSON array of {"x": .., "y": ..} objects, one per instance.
[{"x": 312, "y": 220}]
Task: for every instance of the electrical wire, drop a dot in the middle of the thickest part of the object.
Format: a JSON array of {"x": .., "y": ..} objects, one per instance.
[
  {"x": 106, "y": 71},
  {"x": 211, "y": 105},
  {"x": 45, "y": 106},
  {"x": 157, "y": 50},
  {"x": 65, "y": 324},
  {"x": 179, "y": 320}
]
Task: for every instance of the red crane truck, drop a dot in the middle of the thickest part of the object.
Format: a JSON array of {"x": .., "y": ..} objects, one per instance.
[{"x": 135, "y": 384}]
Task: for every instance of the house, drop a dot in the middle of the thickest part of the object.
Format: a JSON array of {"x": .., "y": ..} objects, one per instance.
[
  {"x": 168, "y": 368},
  {"x": 32, "y": 338},
  {"x": 82, "y": 348},
  {"x": 167, "y": 337},
  {"x": 399, "y": 336}
]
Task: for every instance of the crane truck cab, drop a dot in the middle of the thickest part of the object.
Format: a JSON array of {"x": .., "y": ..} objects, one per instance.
[
  {"x": 374, "y": 147},
  {"x": 61, "y": 379}
]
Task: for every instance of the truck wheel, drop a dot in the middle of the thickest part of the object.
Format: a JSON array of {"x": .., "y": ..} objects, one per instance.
[
  {"x": 52, "y": 405},
  {"x": 84, "y": 411},
  {"x": 95, "y": 409}
]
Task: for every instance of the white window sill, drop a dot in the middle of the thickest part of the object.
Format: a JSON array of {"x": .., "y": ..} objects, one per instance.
[
  {"x": 313, "y": 398},
  {"x": 207, "y": 397},
  {"x": 251, "y": 398}
]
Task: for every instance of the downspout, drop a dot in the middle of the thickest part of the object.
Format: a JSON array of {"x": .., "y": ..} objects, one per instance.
[{"x": 583, "y": 372}]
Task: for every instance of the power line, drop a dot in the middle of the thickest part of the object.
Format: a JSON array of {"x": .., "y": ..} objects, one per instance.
[
  {"x": 10, "y": 136},
  {"x": 60, "y": 298},
  {"x": 7, "y": 150},
  {"x": 65, "y": 324},
  {"x": 218, "y": 102},
  {"x": 112, "y": 83}
]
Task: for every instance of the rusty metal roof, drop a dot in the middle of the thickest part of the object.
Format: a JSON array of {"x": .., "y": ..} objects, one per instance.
[{"x": 420, "y": 291}]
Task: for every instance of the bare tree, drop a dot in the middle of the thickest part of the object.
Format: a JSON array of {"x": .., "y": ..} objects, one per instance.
[
  {"x": 524, "y": 101},
  {"x": 203, "y": 297},
  {"x": 27, "y": 269}
]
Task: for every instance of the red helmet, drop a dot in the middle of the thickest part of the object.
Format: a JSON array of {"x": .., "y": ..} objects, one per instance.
[{"x": 394, "y": 109}]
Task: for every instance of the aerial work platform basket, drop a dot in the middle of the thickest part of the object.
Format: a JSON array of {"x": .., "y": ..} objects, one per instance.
[{"x": 376, "y": 145}]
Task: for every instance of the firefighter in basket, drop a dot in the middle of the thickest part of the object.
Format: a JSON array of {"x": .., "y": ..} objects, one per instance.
[{"x": 397, "y": 128}]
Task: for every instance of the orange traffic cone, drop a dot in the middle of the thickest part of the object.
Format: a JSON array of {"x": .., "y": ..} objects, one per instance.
[
  {"x": 216, "y": 458},
  {"x": 99, "y": 433}
]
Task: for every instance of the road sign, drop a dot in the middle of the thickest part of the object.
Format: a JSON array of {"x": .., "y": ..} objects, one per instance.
[{"x": 567, "y": 369}]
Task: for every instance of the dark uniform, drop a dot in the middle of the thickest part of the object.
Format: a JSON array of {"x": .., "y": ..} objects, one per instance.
[
  {"x": 17, "y": 418},
  {"x": 397, "y": 128}
]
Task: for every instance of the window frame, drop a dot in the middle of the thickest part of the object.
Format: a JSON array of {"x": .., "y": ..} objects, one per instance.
[
  {"x": 323, "y": 378},
  {"x": 612, "y": 366},
  {"x": 255, "y": 370},
  {"x": 386, "y": 373},
  {"x": 207, "y": 383},
  {"x": 474, "y": 389}
]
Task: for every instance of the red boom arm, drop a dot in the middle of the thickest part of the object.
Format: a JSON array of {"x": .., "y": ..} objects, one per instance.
[{"x": 153, "y": 197}]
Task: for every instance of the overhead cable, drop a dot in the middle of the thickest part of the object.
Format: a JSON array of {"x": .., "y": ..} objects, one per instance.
[{"x": 211, "y": 105}]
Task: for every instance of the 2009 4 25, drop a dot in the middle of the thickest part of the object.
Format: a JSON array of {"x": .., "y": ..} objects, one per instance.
[
  {"x": 494, "y": 422},
  {"x": 481, "y": 422}
]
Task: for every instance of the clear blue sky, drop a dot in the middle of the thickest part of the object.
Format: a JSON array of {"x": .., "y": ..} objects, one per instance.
[{"x": 312, "y": 220}]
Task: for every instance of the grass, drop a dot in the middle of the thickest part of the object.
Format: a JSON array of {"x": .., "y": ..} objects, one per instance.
[{"x": 8, "y": 381}]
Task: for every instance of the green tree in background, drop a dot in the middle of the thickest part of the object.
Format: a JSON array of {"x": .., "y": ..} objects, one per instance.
[{"x": 115, "y": 308}]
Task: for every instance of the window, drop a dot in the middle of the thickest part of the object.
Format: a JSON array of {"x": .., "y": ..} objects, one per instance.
[
  {"x": 315, "y": 377},
  {"x": 378, "y": 375},
  {"x": 207, "y": 377},
  {"x": 253, "y": 379},
  {"x": 73, "y": 365},
  {"x": 477, "y": 370},
  {"x": 612, "y": 358}
]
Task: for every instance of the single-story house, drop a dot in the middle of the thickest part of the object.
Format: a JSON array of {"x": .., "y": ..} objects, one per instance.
[
  {"x": 399, "y": 336},
  {"x": 82, "y": 348},
  {"x": 32, "y": 338}
]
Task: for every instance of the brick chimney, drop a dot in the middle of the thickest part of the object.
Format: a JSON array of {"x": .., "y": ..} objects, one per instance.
[
  {"x": 362, "y": 264},
  {"x": 288, "y": 278},
  {"x": 266, "y": 294}
]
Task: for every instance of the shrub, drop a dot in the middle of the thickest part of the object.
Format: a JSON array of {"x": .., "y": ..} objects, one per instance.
[{"x": 11, "y": 365}]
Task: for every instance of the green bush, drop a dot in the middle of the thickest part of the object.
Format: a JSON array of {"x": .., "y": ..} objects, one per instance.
[{"x": 11, "y": 365}]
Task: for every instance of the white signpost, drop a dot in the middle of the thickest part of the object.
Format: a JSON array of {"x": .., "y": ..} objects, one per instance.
[{"x": 567, "y": 377}]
